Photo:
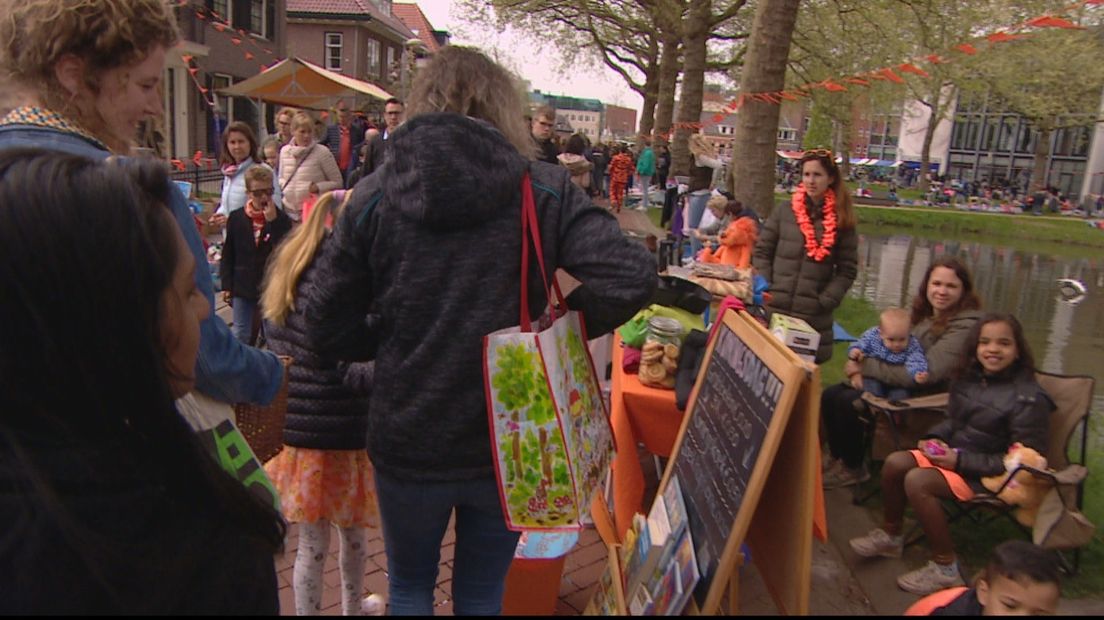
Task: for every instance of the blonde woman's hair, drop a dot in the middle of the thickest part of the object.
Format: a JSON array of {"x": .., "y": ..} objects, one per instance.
[
  {"x": 104, "y": 34},
  {"x": 294, "y": 255},
  {"x": 302, "y": 119},
  {"x": 464, "y": 81},
  {"x": 700, "y": 146}
]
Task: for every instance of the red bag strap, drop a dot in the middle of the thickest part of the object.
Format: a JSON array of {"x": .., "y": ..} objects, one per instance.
[{"x": 530, "y": 229}]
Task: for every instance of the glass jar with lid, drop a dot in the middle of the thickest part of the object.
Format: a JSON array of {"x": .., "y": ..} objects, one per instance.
[{"x": 664, "y": 330}]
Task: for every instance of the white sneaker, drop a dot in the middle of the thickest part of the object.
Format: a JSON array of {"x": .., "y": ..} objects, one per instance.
[
  {"x": 930, "y": 578},
  {"x": 877, "y": 544},
  {"x": 373, "y": 605}
]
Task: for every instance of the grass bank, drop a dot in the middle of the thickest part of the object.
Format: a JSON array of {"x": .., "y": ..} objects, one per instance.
[{"x": 1052, "y": 231}]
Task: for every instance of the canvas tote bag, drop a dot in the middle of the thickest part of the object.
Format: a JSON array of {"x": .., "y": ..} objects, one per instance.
[{"x": 550, "y": 432}]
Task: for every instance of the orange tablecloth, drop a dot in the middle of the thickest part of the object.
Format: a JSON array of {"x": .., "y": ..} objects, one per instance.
[{"x": 638, "y": 413}]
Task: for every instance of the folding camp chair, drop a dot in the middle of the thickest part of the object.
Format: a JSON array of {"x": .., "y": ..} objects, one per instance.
[
  {"x": 1072, "y": 396},
  {"x": 898, "y": 425}
]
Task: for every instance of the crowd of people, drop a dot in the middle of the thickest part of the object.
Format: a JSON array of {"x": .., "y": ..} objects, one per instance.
[{"x": 374, "y": 260}]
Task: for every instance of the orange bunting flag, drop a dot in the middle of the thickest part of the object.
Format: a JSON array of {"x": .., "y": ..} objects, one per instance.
[
  {"x": 186, "y": 58},
  {"x": 832, "y": 87},
  {"x": 196, "y": 157},
  {"x": 324, "y": 115},
  {"x": 935, "y": 59},
  {"x": 1093, "y": 2},
  {"x": 179, "y": 165},
  {"x": 891, "y": 76},
  {"x": 911, "y": 68},
  {"x": 200, "y": 15},
  {"x": 193, "y": 70},
  {"x": 236, "y": 41},
  {"x": 202, "y": 89},
  {"x": 248, "y": 56},
  {"x": 219, "y": 27},
  {"x": 1049, "y": 21},
  {"x": 788, "y": 96},
  {"x": 966, "y": 48},
  {"x": 718, "y": 118},
  {"x": 857, "y": 80},
  {"x": 1003, "y": 37}
]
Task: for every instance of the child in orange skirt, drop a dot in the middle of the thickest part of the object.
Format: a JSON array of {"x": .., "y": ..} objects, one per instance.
[
  {"x": 993, "y": 404},
  {"x": 323, "y": 474}
]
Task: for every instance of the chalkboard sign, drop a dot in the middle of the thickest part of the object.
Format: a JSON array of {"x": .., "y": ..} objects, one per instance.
[{"x": 728, "y": 440}]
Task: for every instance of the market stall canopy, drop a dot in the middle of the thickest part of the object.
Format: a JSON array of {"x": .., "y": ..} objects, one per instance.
[
  {"x": 790, "y": 154},
  {"x": 296, "y": 82}
]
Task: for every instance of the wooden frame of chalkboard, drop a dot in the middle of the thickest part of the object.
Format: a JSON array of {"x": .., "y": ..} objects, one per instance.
[{"x": 752, "y": 396}]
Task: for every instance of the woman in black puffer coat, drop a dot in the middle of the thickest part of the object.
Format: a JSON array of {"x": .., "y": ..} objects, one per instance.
[{"x": 323, "y": 474}]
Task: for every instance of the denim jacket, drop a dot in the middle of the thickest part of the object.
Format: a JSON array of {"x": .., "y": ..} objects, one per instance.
[{"x": 226, "y": 370}]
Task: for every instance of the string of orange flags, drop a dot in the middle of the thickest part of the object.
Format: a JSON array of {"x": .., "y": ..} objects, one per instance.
[{"x": 893, "y": 73}]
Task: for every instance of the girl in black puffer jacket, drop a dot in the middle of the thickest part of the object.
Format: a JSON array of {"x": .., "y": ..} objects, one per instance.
[
  {"x": 323, "y": 474},
  {"x": 995, "y": 403}
]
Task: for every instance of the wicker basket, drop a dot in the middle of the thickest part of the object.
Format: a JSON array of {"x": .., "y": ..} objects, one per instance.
[{"x": 263, "y": 426}]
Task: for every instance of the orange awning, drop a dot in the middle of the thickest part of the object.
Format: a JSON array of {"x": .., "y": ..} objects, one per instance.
[{"x": 296, "y": 82}]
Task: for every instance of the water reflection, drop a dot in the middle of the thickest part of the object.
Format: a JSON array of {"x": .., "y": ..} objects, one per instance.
[{"x": 1066, "y": 338}]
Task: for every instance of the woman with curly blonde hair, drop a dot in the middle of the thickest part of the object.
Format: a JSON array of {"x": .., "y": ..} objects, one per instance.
[{"x": 82, "y": 75}]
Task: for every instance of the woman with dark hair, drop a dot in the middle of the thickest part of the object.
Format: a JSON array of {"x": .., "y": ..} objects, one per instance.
[
  {"x": 84, "y": 73},
  {"x": 944, "y": 310},
  {"x": 239, "y": 153},
  {"x": 808, "y": 250},
  {"x": 110, "y": 504},
  {"x": 441, "y": 219},
  {"x": 575, "y": 161},
  {"x": 995, "y": 403}
]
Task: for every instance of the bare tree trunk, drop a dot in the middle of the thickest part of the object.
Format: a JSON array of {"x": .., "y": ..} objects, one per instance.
[
  {"x": 1042, "y": 152},
  {"x": 651, "y": 95},
  {"x": 938, "y": 109},
  {"x": 668, "y": 77},
  {"x": 752, "y": 182},
  {"x": 695, "y": 35}
]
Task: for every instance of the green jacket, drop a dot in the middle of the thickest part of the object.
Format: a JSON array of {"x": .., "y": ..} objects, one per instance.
[
  {"x": 800, "y": 286},
  {"x": 645, "y": 166}
]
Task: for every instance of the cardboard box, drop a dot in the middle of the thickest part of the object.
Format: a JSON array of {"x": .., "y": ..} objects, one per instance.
[{"x": 796, "y": 334}]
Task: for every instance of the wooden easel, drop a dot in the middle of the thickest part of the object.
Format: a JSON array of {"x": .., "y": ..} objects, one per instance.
[{"x": 775, "y": 516}]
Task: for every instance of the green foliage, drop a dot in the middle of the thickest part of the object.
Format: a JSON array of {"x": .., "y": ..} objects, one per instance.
[
  {"x": 515, "y": 377},
  {"x": 819, "y": 134}
]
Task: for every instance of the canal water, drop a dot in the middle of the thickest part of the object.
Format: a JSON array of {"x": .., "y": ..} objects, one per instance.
[{"x": 1066, "y": 337}]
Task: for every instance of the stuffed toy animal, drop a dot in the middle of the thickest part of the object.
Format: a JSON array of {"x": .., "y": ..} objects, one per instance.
[
  {"x": 736, "y": 242},
  {"x": 1025, "y": 490}
]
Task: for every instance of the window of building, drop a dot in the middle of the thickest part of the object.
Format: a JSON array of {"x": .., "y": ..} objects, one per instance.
[
  {"x": 391, "y": 61},
  {"x": 261, "y": 17},
  {"x": 221, "y": 7},
  {"x": 333, "y": 50},
  {"x": 374, "y": 58},
  {"x": 787, "y": 135}
]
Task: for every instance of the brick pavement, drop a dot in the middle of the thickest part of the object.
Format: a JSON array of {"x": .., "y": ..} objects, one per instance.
[{"x": 581, "y": 570}]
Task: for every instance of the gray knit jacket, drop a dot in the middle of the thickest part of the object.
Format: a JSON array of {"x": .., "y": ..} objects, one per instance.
[{"x": 431, "y": 244}]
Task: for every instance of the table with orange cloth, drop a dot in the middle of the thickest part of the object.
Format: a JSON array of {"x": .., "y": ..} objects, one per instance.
[
  {"x": 647, "y": 415},
  {"x": 643, "y": 414}
]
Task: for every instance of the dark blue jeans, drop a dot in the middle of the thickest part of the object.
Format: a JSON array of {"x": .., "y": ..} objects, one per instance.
[
  {"x": 888, "y": 392},
  {"x": 415, "y": 517}
]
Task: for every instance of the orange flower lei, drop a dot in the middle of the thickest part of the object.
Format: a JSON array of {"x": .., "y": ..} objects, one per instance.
[{"x": 812, "y": 249}]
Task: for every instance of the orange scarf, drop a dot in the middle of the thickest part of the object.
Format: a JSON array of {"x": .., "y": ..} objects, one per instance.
[{"x": 257, "y": 217}]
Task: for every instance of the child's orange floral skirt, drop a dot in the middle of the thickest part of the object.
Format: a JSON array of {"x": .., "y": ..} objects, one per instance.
[
  {"x": 336, "y": 485},
  {"x": 958, "y": 484}
]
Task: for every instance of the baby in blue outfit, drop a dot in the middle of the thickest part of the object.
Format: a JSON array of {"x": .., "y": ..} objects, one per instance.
[{"x": 891, "y": 342}]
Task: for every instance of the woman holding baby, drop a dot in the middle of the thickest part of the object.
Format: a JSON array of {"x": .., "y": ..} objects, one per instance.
[{"x": 944, "y": 310}]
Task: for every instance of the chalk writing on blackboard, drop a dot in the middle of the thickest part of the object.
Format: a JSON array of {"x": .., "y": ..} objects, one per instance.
[{"x": 728, "y": 424}]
